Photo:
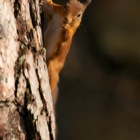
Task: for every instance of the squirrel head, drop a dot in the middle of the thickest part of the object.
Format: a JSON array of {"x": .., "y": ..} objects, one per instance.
[{"x": 74, "y": 10}]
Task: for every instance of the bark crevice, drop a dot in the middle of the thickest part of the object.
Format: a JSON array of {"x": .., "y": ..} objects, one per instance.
[
  {"x": 26, "y": 106},
  {"x": 44, "y": 106}
]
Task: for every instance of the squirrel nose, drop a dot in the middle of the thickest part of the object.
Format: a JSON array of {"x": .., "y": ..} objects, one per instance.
[{"x": 67, "y": 20}]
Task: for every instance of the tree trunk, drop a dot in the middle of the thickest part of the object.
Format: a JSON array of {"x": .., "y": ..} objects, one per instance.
[{"x": 26, "y": 106}]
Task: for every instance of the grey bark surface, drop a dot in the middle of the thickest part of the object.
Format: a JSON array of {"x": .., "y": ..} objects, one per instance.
[{"x": 26, "y": 108}]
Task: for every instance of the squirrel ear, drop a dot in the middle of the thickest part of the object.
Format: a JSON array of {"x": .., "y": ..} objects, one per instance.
[{"x": 87, "y": 2}]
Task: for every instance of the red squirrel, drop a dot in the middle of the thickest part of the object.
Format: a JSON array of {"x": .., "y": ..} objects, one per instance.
[{"x": 63, "y": 21}]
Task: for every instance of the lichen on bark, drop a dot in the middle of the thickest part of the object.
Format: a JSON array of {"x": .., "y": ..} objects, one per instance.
[{"x": 26, "y": 106}]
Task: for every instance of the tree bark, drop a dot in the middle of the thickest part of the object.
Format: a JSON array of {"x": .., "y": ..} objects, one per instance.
[{"x": 26, "y": 108}]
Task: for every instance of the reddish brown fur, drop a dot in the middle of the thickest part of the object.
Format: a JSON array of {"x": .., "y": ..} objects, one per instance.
[{"x": 63, "y": 22}]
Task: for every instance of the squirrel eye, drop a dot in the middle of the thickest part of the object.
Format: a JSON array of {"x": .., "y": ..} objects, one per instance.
[{"x": 78, "y": 15}]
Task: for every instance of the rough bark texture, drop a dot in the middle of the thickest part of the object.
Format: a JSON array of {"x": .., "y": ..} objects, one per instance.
[{"x": 26, "y": 108}]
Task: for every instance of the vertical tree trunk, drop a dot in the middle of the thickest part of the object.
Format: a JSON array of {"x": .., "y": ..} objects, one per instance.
[{"x": 26, "y": 108}]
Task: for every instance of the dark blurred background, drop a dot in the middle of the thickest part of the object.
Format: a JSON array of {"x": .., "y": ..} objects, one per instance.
[{"x": 99, "y": 96}]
